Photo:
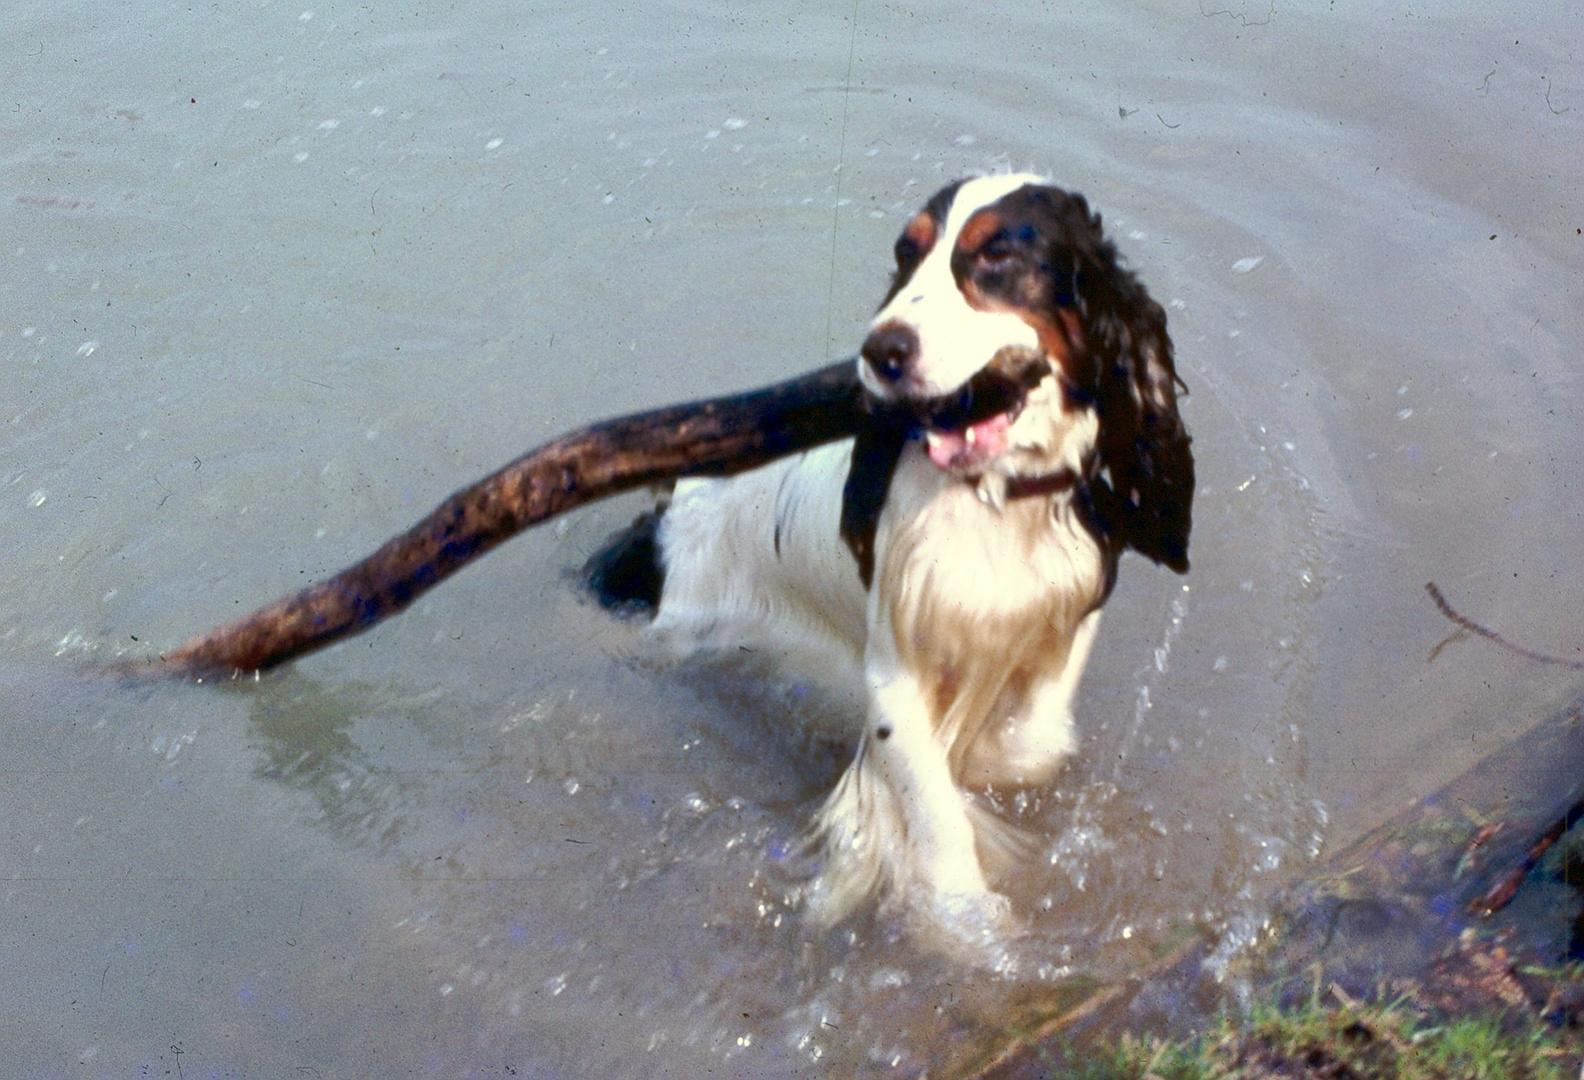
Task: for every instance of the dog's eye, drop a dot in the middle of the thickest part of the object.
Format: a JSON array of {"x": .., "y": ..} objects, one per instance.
[{"x": 998, "y": 253}]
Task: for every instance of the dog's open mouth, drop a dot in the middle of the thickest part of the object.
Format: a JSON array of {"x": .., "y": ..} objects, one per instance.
[
  {"x": 965, "y": 449},
  {"x": 965, "y": 430}
]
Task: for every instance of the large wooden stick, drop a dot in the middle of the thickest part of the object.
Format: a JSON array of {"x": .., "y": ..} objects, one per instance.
[{"x": 717, "y": 437}]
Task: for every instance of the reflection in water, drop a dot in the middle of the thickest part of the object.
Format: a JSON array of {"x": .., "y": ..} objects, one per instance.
[{"x": 304, "y": 729}]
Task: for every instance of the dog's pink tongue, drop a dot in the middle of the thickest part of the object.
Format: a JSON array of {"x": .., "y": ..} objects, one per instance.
[{"x": 970, "y": 445}]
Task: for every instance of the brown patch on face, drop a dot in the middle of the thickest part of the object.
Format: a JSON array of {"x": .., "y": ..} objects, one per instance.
[
  {"x": 912, "y": 246},
  {"x": 921, "y": 231},
  {"x": 977, "y": 229},
  {"x": 1061, "y": 334},
  {"x": 1013, "y": 292}
]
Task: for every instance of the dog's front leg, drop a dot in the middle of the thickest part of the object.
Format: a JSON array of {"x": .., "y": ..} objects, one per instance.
[
  {"x": 897, "y": 823},
  {"x": 937, "y": 855},
  {"x": 1038, "y": 736}
]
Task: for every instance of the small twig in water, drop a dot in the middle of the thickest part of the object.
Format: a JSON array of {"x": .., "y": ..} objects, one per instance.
[
  {"x": 1554, "y": 111},
  {"x": 1240, "y": 17},
  {"x": 1491, "y": 635},
  {"x": 1459, "y": 634},
  {"x": 1506, "y": 886}
]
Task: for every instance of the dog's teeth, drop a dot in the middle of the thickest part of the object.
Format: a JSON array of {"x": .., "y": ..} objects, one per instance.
[
  {"x": 972, "y": 436},
  {"x": 933, "y": 439}
]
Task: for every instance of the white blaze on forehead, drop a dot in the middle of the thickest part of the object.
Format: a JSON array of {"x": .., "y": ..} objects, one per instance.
[
  {"x": 955, "y": 341},
  {"x": 977, "y": 194}
]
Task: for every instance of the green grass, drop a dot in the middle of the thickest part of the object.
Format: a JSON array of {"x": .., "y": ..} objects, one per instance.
[{"x": 1355, "y": 1039}]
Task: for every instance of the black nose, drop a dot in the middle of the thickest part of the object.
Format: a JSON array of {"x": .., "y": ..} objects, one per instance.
[{"x": 890, "y": 349}]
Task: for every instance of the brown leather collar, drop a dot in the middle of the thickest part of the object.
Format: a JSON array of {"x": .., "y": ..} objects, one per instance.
[{"x": 1023, "y": 487}]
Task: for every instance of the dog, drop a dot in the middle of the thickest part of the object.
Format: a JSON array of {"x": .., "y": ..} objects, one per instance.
[{"x": 958, "y": 553}]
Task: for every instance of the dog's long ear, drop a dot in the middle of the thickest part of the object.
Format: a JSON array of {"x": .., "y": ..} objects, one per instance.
[
  {"x": 876, "y": 451},
  {"x": 1144, "y": 449}
]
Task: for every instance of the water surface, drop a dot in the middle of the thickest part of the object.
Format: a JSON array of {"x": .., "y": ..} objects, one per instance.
[{"x": 276, "y": 280}]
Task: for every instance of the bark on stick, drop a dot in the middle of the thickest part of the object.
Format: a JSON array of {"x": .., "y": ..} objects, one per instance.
[{"x": 716, "y": 437}]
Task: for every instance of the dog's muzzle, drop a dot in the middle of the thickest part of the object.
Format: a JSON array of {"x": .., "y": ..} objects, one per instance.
[
  {"x": 890, "y": 350},
  {"x": 964, "y": 428}
]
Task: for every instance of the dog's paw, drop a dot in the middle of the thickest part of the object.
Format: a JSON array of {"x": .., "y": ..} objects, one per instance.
[
  {"x": 974, "y": 913},
  {"x": 972, "y": 928}
]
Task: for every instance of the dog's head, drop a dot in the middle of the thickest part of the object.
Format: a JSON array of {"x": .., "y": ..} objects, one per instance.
[{"x": 1014, "y": 339}]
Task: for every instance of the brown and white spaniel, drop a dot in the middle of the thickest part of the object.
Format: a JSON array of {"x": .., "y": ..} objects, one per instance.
[{"x": 958, "y": 552}]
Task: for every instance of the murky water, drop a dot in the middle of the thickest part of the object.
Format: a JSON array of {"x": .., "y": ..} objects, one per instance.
[{"x": 276, "y": 280}]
